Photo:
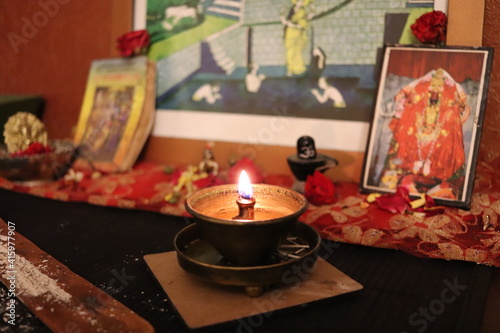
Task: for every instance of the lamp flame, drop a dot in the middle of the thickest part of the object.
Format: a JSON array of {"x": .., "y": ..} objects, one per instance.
[{"x": 244, "y": 186}]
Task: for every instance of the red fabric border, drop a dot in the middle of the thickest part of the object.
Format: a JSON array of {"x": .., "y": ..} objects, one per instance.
[{"x": 456, "y": 234}]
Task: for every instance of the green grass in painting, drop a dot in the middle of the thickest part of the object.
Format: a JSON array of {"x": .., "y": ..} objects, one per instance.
[
  {"x": 407, "y": 37},
  {"x": 186, "y": 38}
]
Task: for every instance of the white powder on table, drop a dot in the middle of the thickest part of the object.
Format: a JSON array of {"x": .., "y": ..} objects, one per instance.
[{"x": 29, "y": 280}]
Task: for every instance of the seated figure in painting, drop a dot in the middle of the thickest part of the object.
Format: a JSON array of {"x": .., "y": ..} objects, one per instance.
[
  {"x": 208, "y": 92},
  {"x": 329, "y": 93},
  {"x": 427, "y": 148},
  {"x": 253, "y": 80}
]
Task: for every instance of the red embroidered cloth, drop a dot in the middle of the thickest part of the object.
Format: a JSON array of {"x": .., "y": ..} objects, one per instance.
[{"x": 472, "y": 235}]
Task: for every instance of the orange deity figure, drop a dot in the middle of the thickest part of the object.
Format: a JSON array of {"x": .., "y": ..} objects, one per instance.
[{"x": 427, "y": 147}]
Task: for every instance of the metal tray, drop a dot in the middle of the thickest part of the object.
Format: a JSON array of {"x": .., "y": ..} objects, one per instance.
[{"x": 296, "y": 255}]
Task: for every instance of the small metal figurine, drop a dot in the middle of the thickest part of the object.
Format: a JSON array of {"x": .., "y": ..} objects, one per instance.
[
  {"x": 307, "y": 160},
  {"x": 209, "y": 165}
]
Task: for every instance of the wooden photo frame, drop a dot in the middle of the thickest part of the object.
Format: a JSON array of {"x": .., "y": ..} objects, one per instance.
[{"x": 427, "y": 122}]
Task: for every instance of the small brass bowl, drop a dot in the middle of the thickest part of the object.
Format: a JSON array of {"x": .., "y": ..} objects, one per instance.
[
  {"x": 38, "y": 168},
  {"x": 246, "y": 243}
]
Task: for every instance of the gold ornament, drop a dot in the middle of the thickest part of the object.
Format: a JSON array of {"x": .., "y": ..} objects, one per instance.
[{"x": 23, "y": 129}]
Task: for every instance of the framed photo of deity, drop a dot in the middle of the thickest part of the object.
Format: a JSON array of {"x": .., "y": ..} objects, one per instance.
[{"x": 427, "y": 122}]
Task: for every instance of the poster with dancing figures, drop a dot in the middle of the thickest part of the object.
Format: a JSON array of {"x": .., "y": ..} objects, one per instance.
[{"x": 427, "y": 122}]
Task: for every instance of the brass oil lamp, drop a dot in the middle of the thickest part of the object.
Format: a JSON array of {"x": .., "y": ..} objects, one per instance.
[
  {"x": 246, "y": 235},
  {"x": 246, "y": 223}
]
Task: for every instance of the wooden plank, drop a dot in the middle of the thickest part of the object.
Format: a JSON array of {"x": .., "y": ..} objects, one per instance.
[{"x": 61, "y": 299}]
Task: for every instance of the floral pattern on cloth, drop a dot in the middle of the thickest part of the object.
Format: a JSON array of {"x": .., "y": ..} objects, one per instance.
[
  {"x": 456, "y": 234},
  {"x": 144, "y": 187}
]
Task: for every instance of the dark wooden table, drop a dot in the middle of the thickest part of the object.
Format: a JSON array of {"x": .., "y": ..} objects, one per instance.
[{"x": 106, "y": 246}]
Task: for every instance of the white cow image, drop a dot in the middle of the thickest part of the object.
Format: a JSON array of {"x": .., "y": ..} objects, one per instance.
[{"x": 176, "y": 13}]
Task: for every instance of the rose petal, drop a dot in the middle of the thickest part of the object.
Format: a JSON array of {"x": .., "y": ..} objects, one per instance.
[{"x": 393, "y": 203}]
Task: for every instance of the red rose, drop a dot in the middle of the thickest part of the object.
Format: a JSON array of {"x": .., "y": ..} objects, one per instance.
[
  {"x": 430, "y": 28},
  {"x": 133, "y": 43},
  {"x": 319, "y": 189}
]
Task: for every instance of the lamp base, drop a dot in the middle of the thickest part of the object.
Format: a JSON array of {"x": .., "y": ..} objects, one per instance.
[{"x": 197, "y": 256}]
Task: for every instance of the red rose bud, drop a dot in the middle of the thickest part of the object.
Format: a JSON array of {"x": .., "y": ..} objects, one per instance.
[
  {"x": 430, "y": 28},
  {"x": 133, "y": 43},
  {"x": 319, "y": 189}
]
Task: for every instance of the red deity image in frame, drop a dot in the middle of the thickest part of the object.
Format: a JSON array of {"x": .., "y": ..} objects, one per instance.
[{"x": 427, "y": 122}]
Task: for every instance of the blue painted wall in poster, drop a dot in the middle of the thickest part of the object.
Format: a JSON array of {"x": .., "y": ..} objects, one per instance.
[{"x": 350, "y": 36}]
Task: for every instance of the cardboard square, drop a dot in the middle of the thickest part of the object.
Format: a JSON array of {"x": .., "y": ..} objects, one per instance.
[{"x": 201, "y": 303}]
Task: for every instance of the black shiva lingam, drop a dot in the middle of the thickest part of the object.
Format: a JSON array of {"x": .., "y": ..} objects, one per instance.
[
  {"x": 307, "y": 160},
  {"x": 242, "y": 236}
]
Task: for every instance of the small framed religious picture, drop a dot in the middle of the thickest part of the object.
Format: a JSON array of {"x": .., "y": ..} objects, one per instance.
[
  {"x": 427, "y": 122},
  {"x": 117, "y": 113}
]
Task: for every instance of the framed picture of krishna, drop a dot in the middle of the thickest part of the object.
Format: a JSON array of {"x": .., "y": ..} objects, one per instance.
[{"x": 427, "y": 122}]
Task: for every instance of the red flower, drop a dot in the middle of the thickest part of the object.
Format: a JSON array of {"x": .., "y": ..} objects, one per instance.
[
  {"x": 33, "y": 149},
  {"x": 430, "y": 28},
  {"x": 319, "y": 189},
  {"x": 133, "y": 43},
  {"x": 253, "y": 171}
]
